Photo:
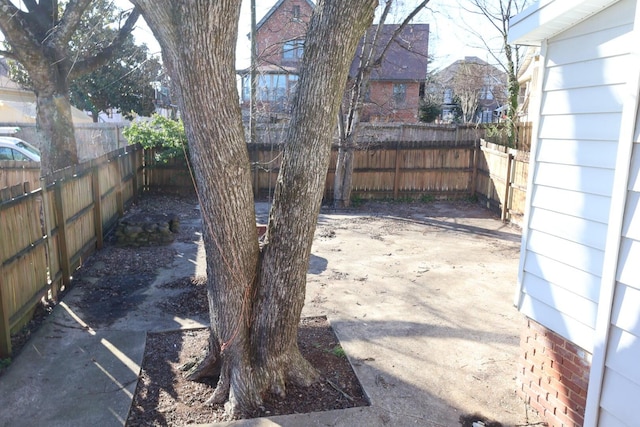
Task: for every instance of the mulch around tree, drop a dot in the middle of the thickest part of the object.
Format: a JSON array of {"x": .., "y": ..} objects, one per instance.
[{"x": 164, "y": 397}]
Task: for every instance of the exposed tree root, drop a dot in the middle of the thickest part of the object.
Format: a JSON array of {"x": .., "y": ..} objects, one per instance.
[
  {"x": 207, "y": 367},
  {"x": 242, "y": 388},
  {"x": 221, "y": 393}
]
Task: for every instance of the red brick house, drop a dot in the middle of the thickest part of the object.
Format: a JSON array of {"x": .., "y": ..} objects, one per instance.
[
  {"x": 279, "y": 44},
  {"x": 395, "y": 87}
]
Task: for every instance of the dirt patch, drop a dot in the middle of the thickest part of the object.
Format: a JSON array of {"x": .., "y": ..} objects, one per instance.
[{"x": 165, "y": 397}]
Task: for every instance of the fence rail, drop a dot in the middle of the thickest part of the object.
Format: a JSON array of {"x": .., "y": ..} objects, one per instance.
[{"x": 44, "y": 233}]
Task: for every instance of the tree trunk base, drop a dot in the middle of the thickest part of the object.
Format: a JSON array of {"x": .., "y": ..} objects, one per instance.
[{"x": 207, "y": 367}]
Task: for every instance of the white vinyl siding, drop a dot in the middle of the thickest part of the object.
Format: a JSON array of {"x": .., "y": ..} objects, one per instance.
[
  {"x": 580, "y": 259},
  {"x": 583, "y": 89},
  {"x": 621, "y": 384}
]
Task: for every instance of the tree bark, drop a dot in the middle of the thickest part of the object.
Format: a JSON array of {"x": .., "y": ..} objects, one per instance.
[
  {"x": 54, "y": 124},
  {"x": 255, "y": 298}
]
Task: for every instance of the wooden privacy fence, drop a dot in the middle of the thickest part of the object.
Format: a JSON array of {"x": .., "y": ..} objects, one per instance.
[
  {"x": 401, "y": 169},
  {"x": 522, "y": 135},
  {"x": 45, "y": 233},
  {"x": 497, "y": 176},
  {"x": 501, "y": 184}
]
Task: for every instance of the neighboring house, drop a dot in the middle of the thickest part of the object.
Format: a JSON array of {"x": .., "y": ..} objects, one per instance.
[
  {"x": 398, "y": 84},
  {"x": 470, "y": 87},
  {"x": 579, "y": 275},
  {"x": 165, "y": 106},
  {"x": 528, "y": 81},
  {"x": 19, "y": 106},
  {"x": 395, "y": 87},
  {"x": 279, "y": 44}
]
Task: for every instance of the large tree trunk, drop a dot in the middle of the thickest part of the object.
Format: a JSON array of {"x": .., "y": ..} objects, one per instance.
[
  {"x": 54, "y": 123},
  {"x": 55, "y": 128},
  {"x": 343, "y": 180},
  {"x": 255, "y": 306}
]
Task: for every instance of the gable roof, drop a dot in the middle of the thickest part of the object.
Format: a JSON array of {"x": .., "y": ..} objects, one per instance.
[
  {"x": 547, "y": 18},
  {"x": 447, "y": 73},
  {"x": 407, "y": 57},
  {"x": 275, "y": 7}
]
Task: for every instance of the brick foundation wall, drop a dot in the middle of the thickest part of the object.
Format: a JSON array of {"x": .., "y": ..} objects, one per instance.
[{"x": 553, "y": 375}]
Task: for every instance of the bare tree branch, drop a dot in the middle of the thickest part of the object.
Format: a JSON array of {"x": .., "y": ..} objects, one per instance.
[
  {"x": 101, "y": 58},
  {"x": 8, "y": 54},
  {"x": 69, "y": 22},
  {"x": 399, "y": 30},
  {"x": 41, "y": 13},
  {"x": 17, "y": 29}
]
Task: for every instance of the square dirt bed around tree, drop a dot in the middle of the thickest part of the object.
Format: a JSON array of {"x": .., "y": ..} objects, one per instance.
[{"x": 165, "y": 397}]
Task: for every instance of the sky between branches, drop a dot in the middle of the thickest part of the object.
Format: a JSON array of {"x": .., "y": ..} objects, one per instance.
[{"x": 449, "y": 40}]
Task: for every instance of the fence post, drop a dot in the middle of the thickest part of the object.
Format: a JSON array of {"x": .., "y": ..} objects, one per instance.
[
  {"x": 5, "y": 326},
  {"x": 97, "y": 206},
  {"x": 61, "y": 219},
  {"x": 119, "y": 196},
  {"x": 396, "y": 176},
  {"x": 507, "y": 188},
  {"x": 47, "y": 229},
  {"x": 474, "y": 174},
  {"x": 133, "y": 162}
]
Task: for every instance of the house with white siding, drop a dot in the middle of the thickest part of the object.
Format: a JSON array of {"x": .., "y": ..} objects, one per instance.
[{"x": 579, "y": 274}]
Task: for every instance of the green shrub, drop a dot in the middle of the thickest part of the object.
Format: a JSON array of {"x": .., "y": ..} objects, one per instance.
[
  {"x": 161, "y": 133},
  {"x": 429, "y": 111}
]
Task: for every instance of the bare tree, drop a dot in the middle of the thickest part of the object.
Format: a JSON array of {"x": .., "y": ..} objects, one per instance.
[
  {"x": 497, "y": 14},
  {"x": 38, "y": 37},
  {"x": 255, "y": 295},
  {"x": 467, "y": 84},
  {"x": 370, "y": 57},
  {"x": 471, "y": 87}
]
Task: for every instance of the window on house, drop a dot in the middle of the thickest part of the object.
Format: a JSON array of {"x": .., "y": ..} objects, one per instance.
[
  {"x": 292, "y": 84},
  {"x": 296, "y": 12},
  {"x": 271, "y": 87},
  {"x": 367, "y": 94},
  {"x": 486, "y": 93},
  {"x": 293, "y": 50},
  {"x": 448, "y": 96},
  {"x": 399, "y": 93},
  {"x": 422, "y": 90}
]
